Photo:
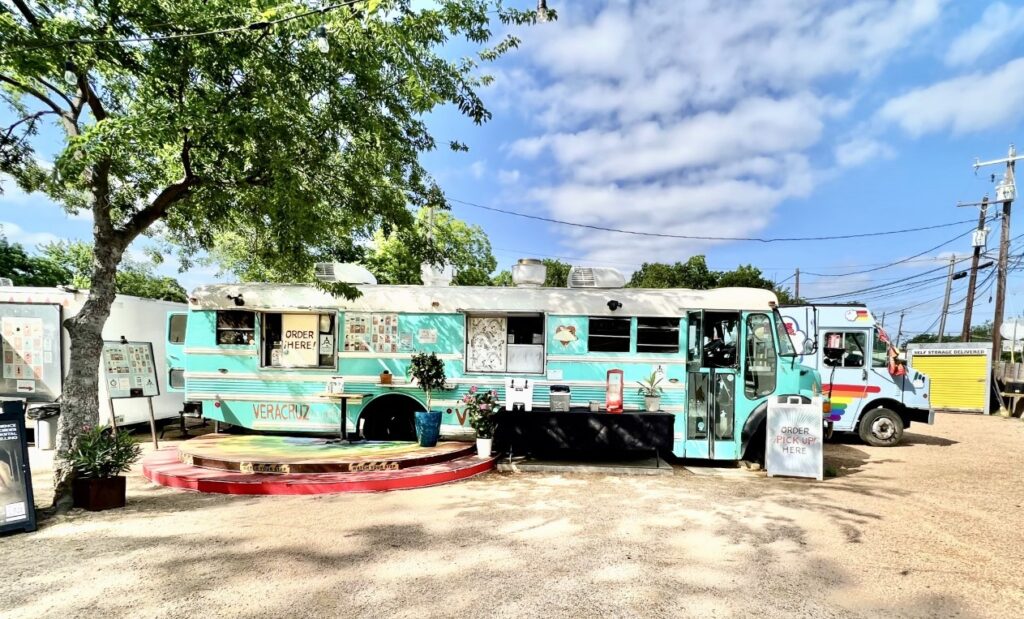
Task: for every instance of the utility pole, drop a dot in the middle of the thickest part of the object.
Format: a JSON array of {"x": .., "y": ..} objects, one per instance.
[
  {"x": 978, "y": 241},
  {"x": 796, "y": 288},
  {"x": 899, "y": 330},
  {"x": 1005, "y": 192},
  {"x": 945, "y": 304}
]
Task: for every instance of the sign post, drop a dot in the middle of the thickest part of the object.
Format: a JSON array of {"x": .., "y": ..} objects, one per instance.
[
  {"x": 129, "y": 371},
  {"x": 795, "y": 434},
  {"x": 17, "y": 505}
]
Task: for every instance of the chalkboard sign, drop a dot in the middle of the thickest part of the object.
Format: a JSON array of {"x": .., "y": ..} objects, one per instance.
[
  {"x": 17, "y": 505},
  {"x": 795, "y": 436},
  {"x": 130, "y": 370}
]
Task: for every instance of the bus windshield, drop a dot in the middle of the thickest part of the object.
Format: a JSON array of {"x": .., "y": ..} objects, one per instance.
[{"x": 786, "y": 348}]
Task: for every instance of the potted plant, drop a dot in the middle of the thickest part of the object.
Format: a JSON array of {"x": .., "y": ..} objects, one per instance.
[
  {"x": 99, "y": 457},
  {"x": 385, "y": 377},
  {"x": 651, "y": 389},
  {"x": 428, "y": 371},
  {"x": 481, "y": 406}
]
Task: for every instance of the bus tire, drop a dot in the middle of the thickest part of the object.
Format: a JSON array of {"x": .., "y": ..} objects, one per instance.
[{"x": 881, "y": 427}]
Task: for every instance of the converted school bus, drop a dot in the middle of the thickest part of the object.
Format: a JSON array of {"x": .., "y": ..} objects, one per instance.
[{"x": 260, "y": 355}]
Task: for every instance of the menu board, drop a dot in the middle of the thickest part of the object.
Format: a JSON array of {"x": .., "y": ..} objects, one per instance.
[
  {"x": 365, "y": 332},
  {"x": 31, "y": 360},
  {"x": 795, "y": 435},
  {"x": 17, "y": 509},
  {"x": 129, "y": 370}
]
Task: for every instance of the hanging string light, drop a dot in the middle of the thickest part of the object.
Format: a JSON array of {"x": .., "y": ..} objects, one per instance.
[
  {"x": 69, "y": 73},
  {"x": 322, "y": 43}
]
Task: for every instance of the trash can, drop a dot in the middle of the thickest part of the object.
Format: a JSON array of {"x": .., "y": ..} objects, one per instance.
[
  {"x": 560, "y": 396},
  {"x": 45, "y": 417}
]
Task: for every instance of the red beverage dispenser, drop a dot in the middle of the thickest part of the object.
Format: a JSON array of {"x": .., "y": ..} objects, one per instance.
[{"x": 613, "y": 391}]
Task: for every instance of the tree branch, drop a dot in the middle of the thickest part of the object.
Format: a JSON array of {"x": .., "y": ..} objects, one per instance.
[
  {"x": 26, "y": 13},
  {"x": 38, "y": 94},
  {"x": 56, "y": 91}
]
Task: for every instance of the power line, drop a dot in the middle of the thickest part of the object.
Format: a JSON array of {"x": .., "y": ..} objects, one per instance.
[
  {"x": 876, "y": 288},
  {"x": 707, "y": 238}
]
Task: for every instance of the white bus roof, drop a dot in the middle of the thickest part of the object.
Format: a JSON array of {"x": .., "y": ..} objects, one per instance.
[{"x": 454, "y": 299}]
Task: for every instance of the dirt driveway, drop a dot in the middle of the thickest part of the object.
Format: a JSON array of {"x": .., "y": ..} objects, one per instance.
[{"x": 932, "y": 528}]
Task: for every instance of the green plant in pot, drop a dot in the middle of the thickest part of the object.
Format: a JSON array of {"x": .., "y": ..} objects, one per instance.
[
  {"x": 480, "y": 407},
  {"x": 428, "y": 371},
  {"x": 650, "y": 388},
  {"x": 99, "y": 457}
]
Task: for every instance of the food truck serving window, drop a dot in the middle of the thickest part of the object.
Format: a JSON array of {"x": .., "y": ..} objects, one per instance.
[
  {"x": 236, "y": 327},
  {"x": 505, "y": 343},
  {"x": 298, "y": 340}
]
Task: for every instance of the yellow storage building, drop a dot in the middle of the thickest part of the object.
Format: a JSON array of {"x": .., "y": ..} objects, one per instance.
[{"x": 960, "y": 374}]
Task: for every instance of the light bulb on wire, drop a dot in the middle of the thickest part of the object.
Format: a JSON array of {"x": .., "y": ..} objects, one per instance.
[
  {"x": 69, "y": 74},
  {"x": 322, "y": 43}
]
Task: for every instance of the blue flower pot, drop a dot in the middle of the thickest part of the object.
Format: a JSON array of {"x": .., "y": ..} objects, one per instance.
[{"x": 428, "y": 427}]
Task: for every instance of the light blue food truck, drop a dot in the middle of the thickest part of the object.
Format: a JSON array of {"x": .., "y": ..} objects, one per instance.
[
  {"x": 872, "y": 391},
  {"x": 260, "y": 355}
]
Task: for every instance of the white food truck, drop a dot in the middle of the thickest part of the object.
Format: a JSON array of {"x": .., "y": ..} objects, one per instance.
[
  {"x": 36, "y": 347},
  {"x": 872, "y": 391}
]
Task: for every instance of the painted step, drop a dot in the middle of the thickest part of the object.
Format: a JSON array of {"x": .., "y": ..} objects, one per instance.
[{"x": 164, "y": 467}]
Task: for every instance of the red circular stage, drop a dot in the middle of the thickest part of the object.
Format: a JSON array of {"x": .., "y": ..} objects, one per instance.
[{"x": 255, "y": 464}]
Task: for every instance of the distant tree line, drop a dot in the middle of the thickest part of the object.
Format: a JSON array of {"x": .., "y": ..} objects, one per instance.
[{"x": 67, "y": 263}]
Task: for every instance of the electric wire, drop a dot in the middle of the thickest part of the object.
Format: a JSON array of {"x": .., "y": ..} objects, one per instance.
[{"x": 693, "y": 237}]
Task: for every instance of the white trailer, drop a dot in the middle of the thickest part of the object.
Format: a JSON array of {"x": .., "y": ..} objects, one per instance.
[{"x": 36, "y": 347}]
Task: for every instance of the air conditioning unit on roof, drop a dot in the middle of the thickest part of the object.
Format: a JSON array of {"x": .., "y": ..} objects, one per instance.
[
  {"x": 344, "y": 273},
  {"x": 595, "y": 277}
]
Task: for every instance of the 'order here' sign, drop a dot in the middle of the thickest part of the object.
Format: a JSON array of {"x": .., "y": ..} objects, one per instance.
[{"x": 300, "y": 345}]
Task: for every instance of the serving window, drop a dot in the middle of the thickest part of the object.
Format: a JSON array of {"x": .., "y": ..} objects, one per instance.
[
  {"x": 298, "y": 340},
  {"x": 512, "y": 343},
  {"x": 236, "y": 327}
]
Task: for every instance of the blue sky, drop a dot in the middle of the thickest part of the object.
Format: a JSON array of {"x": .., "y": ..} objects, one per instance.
[{"x": 782, "y": 118}]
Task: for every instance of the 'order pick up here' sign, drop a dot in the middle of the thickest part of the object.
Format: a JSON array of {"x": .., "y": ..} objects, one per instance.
[{"x": 794, "y": 439}]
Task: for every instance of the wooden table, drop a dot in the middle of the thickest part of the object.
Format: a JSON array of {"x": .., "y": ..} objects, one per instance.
[{"x": 343, "y": 399}]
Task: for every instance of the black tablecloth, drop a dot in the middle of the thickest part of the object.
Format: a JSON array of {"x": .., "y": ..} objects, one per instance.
[{"x": 544, "y": 432}]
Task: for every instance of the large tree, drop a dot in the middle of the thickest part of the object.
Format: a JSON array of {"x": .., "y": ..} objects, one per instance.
[
  {"x": 24, "y": 269},
  {"x": 299, "y": 122},
  {"x": 695, "y": 274},
  {"x": 437, "y": 237}
]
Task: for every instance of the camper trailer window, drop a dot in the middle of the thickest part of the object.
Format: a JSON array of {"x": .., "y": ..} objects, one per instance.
[
  {"x": 657, "y": 335},
  {"x": 176, "y": 379},
  {"x": 236, "y": 327},
  {"x": 176, "y": 328},
  {"x": 608, "y": 335},
  {"x": 759, "y": 378},
  {"x": 298, "y": 340}
]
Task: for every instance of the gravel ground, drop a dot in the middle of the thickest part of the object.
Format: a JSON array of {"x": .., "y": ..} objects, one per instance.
[{"x": 930, "y": 528}]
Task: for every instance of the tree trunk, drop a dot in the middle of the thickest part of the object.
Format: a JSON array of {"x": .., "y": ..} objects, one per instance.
[{"x": 80, "y": 400}]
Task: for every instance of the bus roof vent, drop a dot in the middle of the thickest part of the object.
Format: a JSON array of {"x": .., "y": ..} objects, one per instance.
[
  {"x": 595, "y": 277},
  {"x": 529, "y": 273},
  {"x": 343, "y": 273}
]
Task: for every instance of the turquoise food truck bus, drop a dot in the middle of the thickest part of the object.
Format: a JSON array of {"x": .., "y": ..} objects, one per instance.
[
  {"x": 872, "y": 391},
  {"x": 260, "y": 355}
]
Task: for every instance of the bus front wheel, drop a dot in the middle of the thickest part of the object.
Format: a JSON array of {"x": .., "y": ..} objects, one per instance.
[{"x": 881, "y": 427}]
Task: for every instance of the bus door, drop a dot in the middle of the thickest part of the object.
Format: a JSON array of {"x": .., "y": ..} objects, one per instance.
[
  {"x": 712, "y": 354},
  {"x": 845, "y": 360}
]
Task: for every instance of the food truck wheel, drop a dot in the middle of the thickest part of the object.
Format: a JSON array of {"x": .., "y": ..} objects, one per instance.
[{"x": 881, "y": 427}]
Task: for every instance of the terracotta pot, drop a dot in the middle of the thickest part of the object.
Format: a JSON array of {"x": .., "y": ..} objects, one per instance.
[
  {"x": 385, "y": 378},
  {"x": 98, "y": 494}
]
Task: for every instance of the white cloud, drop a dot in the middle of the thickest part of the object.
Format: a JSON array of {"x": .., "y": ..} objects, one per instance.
[
  {"x": 860, "y": 150},
  {"x": 508, "y": 177},
  {"x": 478, "y": 168},
  {"x": 17, "y": 234},
  {"x": 998, "y": 23},
  {"x": 692, "y": 118},
  {"x": 959, "y": 104}
]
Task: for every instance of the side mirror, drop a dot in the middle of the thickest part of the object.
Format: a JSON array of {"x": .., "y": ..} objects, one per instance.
[{"x": 810, "y": 347}]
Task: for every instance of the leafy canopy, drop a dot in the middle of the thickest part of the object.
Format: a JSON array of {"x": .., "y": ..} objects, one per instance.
[
  {"x": 695, "y": 274},
  {"x": 439, "y": 238},
  {"x": 134, "y": 277},
  {"x": 255, "y": 130},
  {"x": 27, "y": 270}
]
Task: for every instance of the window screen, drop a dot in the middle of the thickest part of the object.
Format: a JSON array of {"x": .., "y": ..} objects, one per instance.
[
  {"x": 236, "y": 327},
  {"x": 608, "y": 335},
  {"x": 657, "y": 335}
]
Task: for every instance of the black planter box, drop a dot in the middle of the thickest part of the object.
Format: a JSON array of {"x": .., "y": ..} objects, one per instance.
[{"x": 99, "y": 494}]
